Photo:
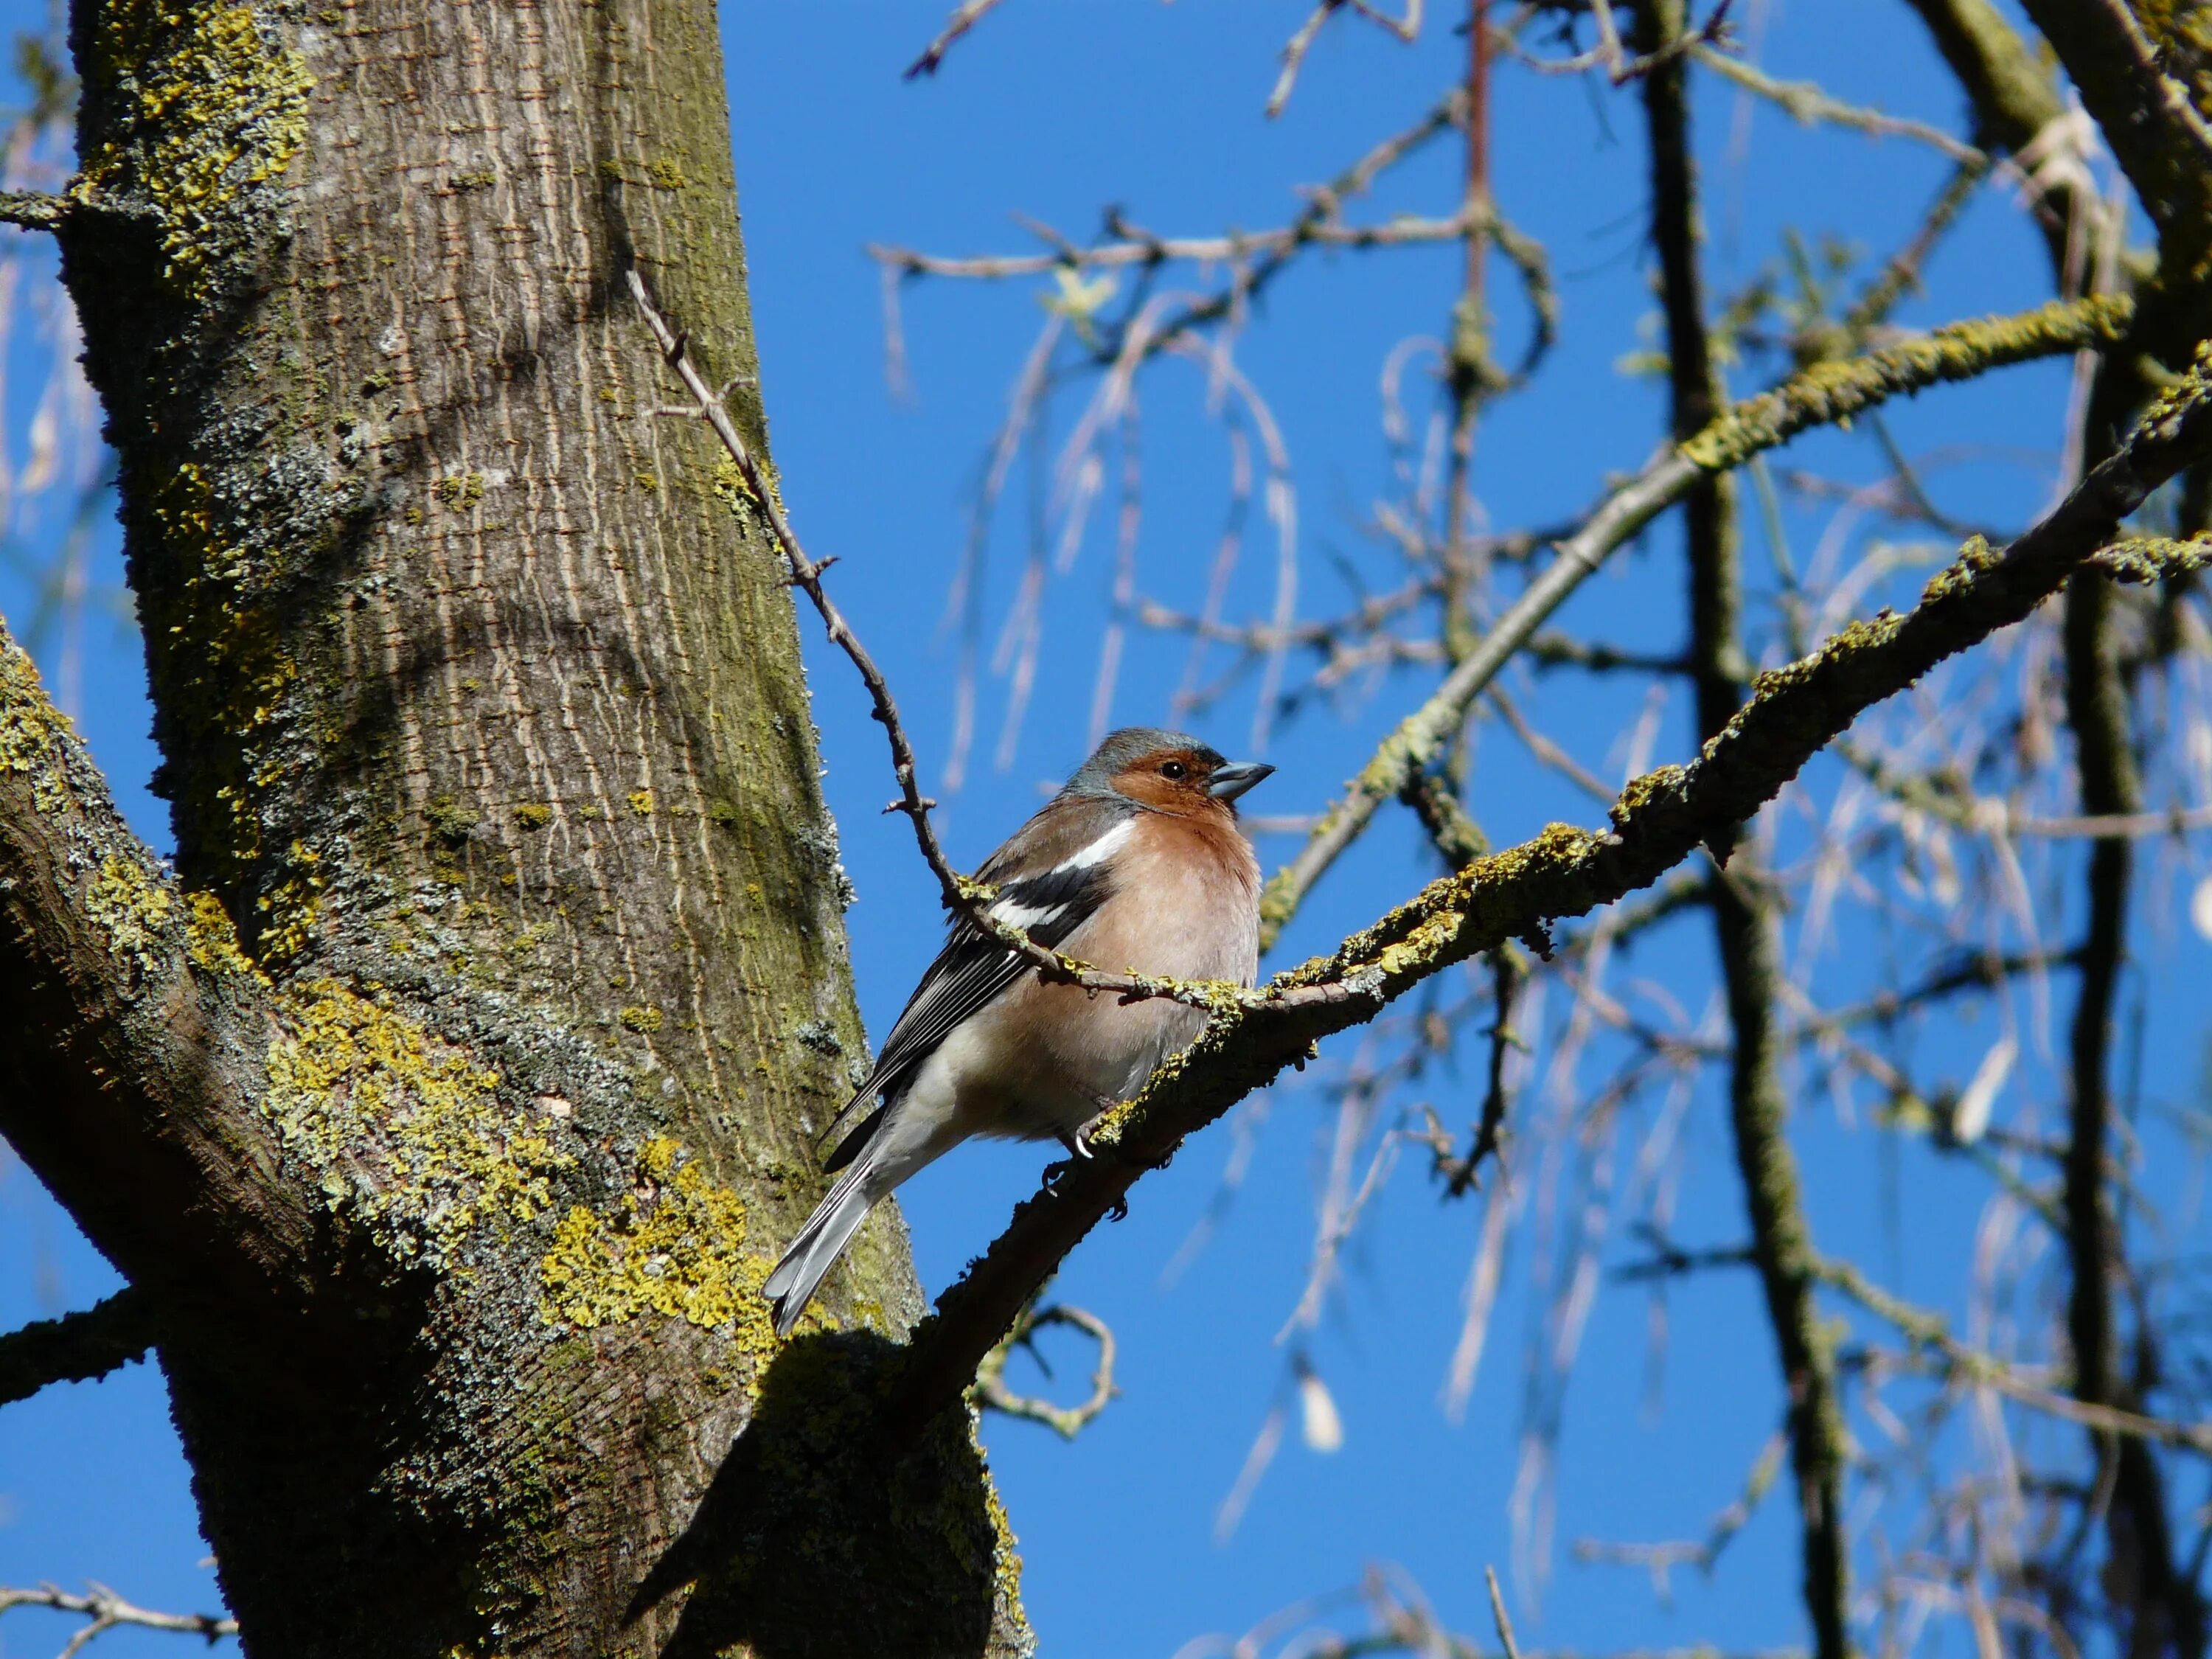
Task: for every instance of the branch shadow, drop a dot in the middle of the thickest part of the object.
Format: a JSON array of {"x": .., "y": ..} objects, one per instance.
[{"x": 815, "y": 1539}]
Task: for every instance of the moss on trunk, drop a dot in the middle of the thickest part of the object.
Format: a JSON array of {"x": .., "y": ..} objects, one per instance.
[{"x": 495, "y": 787}]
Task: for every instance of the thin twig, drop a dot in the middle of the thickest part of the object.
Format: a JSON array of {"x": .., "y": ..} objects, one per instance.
[
  {"x": 1498, "y": 1612},
  {"x": 969, "y": 14},
  {"x": 968, "y": 900},
  {"x": 106, "y": 1610},
  {"x": 1067, "y": 1421},
  {"x": 77, "y": 1346}
]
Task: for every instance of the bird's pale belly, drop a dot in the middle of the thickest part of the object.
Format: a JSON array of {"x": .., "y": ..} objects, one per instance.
[{"x": 1044, "y": 1059}]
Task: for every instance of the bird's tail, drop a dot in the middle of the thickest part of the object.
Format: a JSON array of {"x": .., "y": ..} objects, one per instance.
[{"x": 821, "y": 1242}]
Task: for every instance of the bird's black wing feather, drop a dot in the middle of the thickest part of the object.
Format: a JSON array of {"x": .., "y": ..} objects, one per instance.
[{"x": 971, "y": 970}]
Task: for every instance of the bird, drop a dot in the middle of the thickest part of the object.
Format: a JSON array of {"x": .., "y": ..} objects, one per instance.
[{"x": 1137, "y": 863}]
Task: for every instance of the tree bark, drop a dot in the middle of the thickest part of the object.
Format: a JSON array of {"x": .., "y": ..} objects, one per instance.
[{"x": 454, "y": 1097}]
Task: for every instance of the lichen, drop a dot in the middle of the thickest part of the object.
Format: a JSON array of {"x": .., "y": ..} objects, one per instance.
[
  {"x": 674, "y": 1246},
  {"x": 641, "y": 802},
  {"x": 645, "y": 1020},
  {"x": 210, "y": 938},
  {"x": 533, "y": 815},
  {"x": 407, "y": 1133},
  {"x": 290, "y": 908},
  {"x": 450, "y": 821},
  {"x": 132, "y": 908},
  {"x": 30, "y": 728},
  {"x": 1835, "y": 390},
  {"x": 212, "y": 112}
]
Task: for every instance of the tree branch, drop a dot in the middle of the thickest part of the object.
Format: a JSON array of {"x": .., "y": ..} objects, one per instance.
[
  {"x": 33, "y": 209},
  {"x": 2157, "y": 136},
  {"x": 1825, "y": 393},
  {"x": 140, "y": 1033},
  {"x": 106, "y": 1610},
  {"x": 969, "y": 14},
  {"x": 1743, "y": 922},
  {"x": 1661, "y": 818},
  {"x": 76, "y": 1347}
]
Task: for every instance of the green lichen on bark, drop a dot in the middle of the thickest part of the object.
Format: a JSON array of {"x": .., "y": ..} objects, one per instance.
[
  {"x": 675, "y": 1246},
  {"x": 30, "y": 728},
  {"x": 2141, "y": 559},
  {"x": 212, "y": 108},
  {"x": 1832, "y": 393},
  {"x": 404, "y": 1132},
  {"x": 132, "y": 906}
]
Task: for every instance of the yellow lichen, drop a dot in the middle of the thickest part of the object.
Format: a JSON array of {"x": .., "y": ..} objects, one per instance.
[
  {"x": 406, "y": 1132},
  {"x": 675, "y": 1247},
  {"x": 27, "y": 719},
  {"x": 533, "y": 815},
  {"x": 132, "y": 908},
  {"x": 666, "y": 174},
  {"x": 30, "y": 727},
  {"x": 290, "y": 907},
  {"x": 647, "y": 1020},
  {"x": 641, "y": 802},
  {"x": 219, "y": 111},
  {"x": 209, "y": 938}
]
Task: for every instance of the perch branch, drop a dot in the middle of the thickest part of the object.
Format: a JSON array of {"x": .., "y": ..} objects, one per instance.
[{"x": 1661, "y": 819}]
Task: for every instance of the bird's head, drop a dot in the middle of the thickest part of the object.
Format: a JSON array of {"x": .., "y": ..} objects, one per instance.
[{"x": 1166, "y": 772}]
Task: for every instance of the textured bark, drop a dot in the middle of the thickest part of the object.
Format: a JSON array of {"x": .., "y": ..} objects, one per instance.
[
  {"x": 461, "y": 1086},
  {"x": 1743, "y": 928}
]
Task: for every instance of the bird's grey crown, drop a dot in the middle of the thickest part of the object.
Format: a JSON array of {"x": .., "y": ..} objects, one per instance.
[{"x": 1132, "y": 743}]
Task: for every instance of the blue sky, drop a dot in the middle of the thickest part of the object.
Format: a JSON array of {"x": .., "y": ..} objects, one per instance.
[{"x": 1055, "y": 109}]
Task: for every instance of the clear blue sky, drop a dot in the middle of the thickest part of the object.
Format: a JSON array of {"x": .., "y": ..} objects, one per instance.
[{"x": 1056, "y": 108}]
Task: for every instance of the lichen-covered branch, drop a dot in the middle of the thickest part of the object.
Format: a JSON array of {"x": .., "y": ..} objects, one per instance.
[
  {"x": 32, "y": 209},
  {"x": 76, "y": 1347},
  {"x": 2157, "y": 135},
  {"x": 1661, "y": 819},
  {"x": 1743, "y": 922},
  {"x": 137, "y": 1028},
  {"x": 1823, "y": 394}
]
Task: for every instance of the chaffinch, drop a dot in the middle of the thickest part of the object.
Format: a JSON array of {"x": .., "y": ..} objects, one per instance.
[{"x": 1136, "y": 864}]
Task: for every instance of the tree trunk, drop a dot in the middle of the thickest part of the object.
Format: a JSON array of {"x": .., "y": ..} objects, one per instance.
[{"x": 454, "y": 1098}]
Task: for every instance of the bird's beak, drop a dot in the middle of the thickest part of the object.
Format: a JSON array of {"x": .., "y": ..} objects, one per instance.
[{"x": 1233, "y": 779}]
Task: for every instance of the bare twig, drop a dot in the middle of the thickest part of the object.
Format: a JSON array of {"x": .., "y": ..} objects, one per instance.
[
  {"x": 1067, "y": 1421},
  {"x": 107, "y": 1611},
  {"x": 969, "y": 14},
  {"x": 1929, "y": 1330},
  {"x": 1807, "y": 101},
  {"x": 1497, "y": 1597},
  {"x": 966, "y": 899}
]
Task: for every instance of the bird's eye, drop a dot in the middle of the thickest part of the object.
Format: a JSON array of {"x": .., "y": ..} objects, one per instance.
[{"x": 1175, "y": 771}]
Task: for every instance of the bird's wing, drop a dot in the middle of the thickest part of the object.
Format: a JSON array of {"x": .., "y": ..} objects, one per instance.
[{"x": 971, "y": 970}]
